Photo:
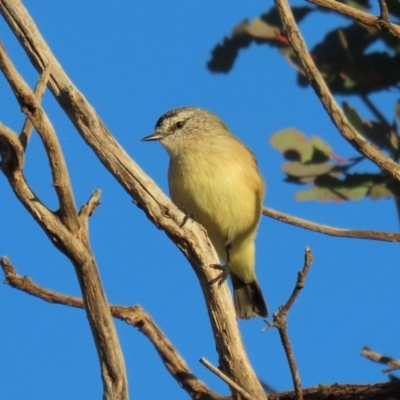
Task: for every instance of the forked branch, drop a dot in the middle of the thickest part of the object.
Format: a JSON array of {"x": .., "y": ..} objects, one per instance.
[
  {"x": 280, "y": 322},
  {"x": 63, "y": 228},
  {"x": 191, "y": 238},
  {"x": 134, "y": 316}
]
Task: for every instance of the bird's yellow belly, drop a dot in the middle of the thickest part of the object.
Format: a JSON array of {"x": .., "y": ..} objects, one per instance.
[{"x": 221, "y": 201}]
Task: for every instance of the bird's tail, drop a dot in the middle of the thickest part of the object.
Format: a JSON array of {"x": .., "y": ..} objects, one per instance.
[{"x": 249, "y": 300}]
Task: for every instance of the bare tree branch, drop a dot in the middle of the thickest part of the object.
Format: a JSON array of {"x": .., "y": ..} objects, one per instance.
[
  {"x": 280, "y": 322},
  {"x": 88, "y": 209},
  {"x": 379, "y": 391},
  {"x": 301, "y": 280},
  {"x": 226, "y": 379},
  {"x": 40, "y": 88},
  {"x": 137, "y": 317},
  {"x": 191, "y": 239},
  {"x": 361, "y": 16},
  {"x": 134, "y": 316},
  {"x": 31, "y": 107},
  {"x": 330, "y": 230},
  {"x": 379, "y": 358},
  {"x": 384, "y": 11},
  {"x": 65, "y": 231},
  {"x": 321, "y": 89}
]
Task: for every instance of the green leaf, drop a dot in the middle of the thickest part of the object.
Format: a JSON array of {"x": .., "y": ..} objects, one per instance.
[
  {"x": 297, "y": 169},
  {"x": 296, "y": 146},
  {"x": 320, "y": 194},
  {"x": 379, "y": 191},
  {"x": 352, "y": 187}
]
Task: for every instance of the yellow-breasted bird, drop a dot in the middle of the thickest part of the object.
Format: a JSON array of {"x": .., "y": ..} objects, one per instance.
[{"x": 213, "y": 175}]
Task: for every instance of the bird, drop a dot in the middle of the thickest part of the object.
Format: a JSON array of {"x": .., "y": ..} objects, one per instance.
[{"x": 215, "y": 177}]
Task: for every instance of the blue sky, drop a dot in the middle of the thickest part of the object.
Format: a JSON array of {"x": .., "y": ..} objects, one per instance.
[{"x": 134, "y": 62}]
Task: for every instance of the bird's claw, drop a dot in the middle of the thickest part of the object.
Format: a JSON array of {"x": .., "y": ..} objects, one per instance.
[
  {"x": 221, "y": 278},
  {"x": 188, "y": 215}
]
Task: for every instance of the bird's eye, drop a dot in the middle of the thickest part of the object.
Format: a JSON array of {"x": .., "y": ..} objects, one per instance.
[{"x": 179, "y": 124}]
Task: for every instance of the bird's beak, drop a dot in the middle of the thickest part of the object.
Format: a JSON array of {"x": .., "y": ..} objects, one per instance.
[{"x": 154, "y": 136}]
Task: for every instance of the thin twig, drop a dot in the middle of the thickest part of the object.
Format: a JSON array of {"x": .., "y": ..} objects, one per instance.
[
  {"x": 94, "y": 201},
  {"x": 40, "y": 88},
  {"x": 330, "y": 230},
  {"x": 280, "y": 322},
  {"x": 359, "y": 15},
  {"x": 301, "y": 280},
  {"x": 379, "y": 358},
  {"x": 226, "y": 379},
  {"x": 88, "y": 209},
  {"x": 134, "y": 316},
  {"x": 384, "y": 11}
]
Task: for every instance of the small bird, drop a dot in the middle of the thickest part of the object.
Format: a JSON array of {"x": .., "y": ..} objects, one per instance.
[{"x": 214, "y": 176}]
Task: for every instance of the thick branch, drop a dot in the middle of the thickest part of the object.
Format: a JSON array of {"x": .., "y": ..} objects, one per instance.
[
  {"x": 191, "y": 239},
  {"x": 330, "y": 230},
  {"x": 61, "y": 228},
  {"x": 360, "y": 16},
  {"x": 98, "y": 313},
  {"x": 321, "y": 89},
  {"x": 134, "y": 316},
  {"x": 380, "y": 391}
]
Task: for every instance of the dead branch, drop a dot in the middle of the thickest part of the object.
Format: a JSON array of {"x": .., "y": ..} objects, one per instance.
[
  {"x": 379, "y": 358},
  {"x": 226, "y": 379},
  {"x": 330, "y": 230},
  {"x": 280, "y": 322},
  {"x": 379, "y": 391},
  {"x": 40, "y": 88},
  {"x": 31, "y": 107},
  {"x": 191, "y": 239},
  {"x": 380, "y": 22},
  {"x": 134, "y": 316},
  {"x": 65, "y": 231}
]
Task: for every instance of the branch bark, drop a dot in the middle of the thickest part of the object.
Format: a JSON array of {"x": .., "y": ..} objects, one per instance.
[
  {"x": 280, "y": 322},
  {"x": 134, "y": 316},
  {"x": 65, "y": 228},
  {"x": 191, "y": 238},
  {"x": 360, "y": 16},
  {"x": 330, "y": 230}
]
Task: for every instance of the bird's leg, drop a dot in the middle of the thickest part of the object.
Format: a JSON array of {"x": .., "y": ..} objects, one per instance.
[
  {"x": 225, "y": 269},
  {"x": 188, "y": 215}
]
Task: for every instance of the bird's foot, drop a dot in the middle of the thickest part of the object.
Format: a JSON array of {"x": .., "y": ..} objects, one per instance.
[
  {"x": 221, "y": 278},
  {"x": 188, "y": 215}
]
